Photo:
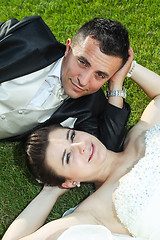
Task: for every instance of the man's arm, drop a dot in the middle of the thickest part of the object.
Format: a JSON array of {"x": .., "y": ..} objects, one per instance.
[
  {"x": 24, "y": 52},
  {"x": 116, "y": 112},
  {"x": 113, "y": 126},
  {"x": 103, "y": 120},
  {"x": 6, "y": 26}
]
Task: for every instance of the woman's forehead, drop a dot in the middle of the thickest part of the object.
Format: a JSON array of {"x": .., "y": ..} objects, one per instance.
[
  {"x": 55, "y": 151},
  {"x": 58, "y": 133}
]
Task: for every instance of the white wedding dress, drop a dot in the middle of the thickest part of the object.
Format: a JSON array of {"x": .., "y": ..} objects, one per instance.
[{"x": 137, "y": 200}]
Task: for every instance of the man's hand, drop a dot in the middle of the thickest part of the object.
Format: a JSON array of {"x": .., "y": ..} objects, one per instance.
[{"x": 116, "y": 82}]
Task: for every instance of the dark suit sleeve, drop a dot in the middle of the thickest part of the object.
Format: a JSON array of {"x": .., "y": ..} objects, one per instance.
[
  {"x": 113, "y": 126},
  {"x": 94, "y": 115},
  {"x": 6, "y": 26},
  {"x": 26, "y": 46}
]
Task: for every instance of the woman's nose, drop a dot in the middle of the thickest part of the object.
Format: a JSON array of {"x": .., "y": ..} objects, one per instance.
[{"x": 80, "y": 146}]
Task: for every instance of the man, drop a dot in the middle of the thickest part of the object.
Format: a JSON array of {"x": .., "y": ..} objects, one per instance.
[{"x": 44, "y": 82}]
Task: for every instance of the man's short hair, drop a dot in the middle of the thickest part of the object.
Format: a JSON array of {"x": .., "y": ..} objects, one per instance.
[{"x": 112, "y": 37}]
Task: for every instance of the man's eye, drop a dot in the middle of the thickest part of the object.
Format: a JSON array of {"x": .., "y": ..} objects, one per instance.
[
  {"x": 102, "y": 76},
  {"x": 73, "y": 135},
  {"x": 68, "y": 157},
  {"x": 82, "y": 62}
]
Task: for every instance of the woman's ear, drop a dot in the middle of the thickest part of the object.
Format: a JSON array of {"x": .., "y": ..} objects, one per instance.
[{"x": 70, "y": 184}]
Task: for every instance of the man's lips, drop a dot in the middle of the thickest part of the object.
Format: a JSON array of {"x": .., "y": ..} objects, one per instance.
[
  {"x": 77, "y": 87},
  {"x": 91, "y": 152}
]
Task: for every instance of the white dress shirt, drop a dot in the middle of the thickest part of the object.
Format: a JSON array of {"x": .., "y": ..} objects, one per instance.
[{"x": 31, "y": 99}]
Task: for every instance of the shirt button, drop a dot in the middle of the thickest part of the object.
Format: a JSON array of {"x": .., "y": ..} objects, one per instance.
[
  {"x": 3, "y": 116},
  {"x": 20, "y": 111}
]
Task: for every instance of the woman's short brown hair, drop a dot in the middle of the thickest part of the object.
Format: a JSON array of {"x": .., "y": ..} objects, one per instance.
[{"x": 36, "y": 148}]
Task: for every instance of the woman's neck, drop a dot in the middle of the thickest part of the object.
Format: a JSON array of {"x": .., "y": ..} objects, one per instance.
[
  {"x": 119, "y": 164},
  {"x": 109, "y": 169},
  {"x": 116, "y": 166}
]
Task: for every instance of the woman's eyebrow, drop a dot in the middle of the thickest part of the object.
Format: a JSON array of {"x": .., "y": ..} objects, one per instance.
[
  {"x": 67, "y": 135},
  {"x": 64, "y": 153}
]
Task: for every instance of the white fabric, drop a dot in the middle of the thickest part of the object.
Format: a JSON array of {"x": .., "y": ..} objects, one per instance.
[
  {"x": 137, "y": 199},
  {"x": 29, "y": 100},
  {"x": 69, "y": 122},
  {"x": 92, "y": 232},
  {"x": 52, "y": 84}
]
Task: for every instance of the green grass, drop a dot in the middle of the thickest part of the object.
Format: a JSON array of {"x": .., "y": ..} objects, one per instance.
[{"x": 141, "y": 18}]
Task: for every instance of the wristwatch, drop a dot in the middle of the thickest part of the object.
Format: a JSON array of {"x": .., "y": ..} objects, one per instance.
[{"x": 117, "y": 93}]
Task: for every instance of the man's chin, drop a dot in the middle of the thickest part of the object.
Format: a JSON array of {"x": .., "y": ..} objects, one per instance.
[{"x": 75, "y": 94}]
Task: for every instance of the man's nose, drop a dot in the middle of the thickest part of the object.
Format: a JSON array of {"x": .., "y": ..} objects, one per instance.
[{"x": 84, "y": 78}]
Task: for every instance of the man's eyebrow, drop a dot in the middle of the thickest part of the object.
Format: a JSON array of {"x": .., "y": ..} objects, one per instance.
[
  {"x": 85, "y": 60},
  {"x": 64, "y": 153},
  {"x": 88, "y": 64}
]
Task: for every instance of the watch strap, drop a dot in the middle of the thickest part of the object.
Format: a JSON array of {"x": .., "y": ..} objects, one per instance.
[{"x": 117, "y": 93}]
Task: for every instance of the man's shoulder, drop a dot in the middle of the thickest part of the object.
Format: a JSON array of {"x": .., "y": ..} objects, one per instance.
[
  {"x": 12, "y": 24},
  {"x": 24, "y": 52}
]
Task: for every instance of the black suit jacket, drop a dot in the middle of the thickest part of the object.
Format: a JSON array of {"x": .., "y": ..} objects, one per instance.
[{"x": 27, "y": 46}]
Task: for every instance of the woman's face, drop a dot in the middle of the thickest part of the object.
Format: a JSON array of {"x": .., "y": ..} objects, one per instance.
[{"x": 75, "y": 155}]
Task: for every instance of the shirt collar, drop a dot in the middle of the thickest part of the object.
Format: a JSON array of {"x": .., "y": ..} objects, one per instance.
[{"x": 56, "y": 71}]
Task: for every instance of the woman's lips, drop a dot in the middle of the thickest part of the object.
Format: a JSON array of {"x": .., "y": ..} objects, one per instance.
[{"x": 91, "y": 152}]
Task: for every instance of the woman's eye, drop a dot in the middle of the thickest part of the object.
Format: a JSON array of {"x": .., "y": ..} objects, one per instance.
[
  {"x": 68, "y": 157},
  {"x": 73, "y": 135}
]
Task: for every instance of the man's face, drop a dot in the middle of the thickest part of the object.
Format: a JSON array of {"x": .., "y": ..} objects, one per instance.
[{"x": 85, "y": 68}]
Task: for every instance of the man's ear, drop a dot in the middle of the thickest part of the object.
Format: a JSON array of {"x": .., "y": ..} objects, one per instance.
[
  {"x": 69, "y": 184},
  {"x": 68, "y": 46}
]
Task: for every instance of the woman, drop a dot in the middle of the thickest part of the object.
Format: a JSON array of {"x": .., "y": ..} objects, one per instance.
[{"x": 126, "y": 203}]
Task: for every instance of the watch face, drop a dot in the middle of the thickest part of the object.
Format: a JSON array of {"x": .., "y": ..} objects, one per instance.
[{"x": 117, "y": 93}]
